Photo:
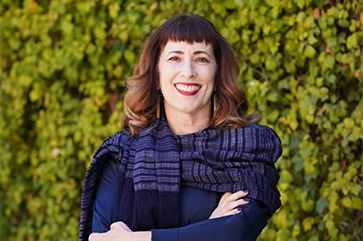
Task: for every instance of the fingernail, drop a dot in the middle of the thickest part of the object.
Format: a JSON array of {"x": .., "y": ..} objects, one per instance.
[
  {"x": 245, "y": 191},
  {"x": 246, "y": 199},
  {"x": 240, "y": 208}
]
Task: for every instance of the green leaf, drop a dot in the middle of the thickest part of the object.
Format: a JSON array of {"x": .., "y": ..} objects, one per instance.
[
  {"x": 352, "y": 41},
  {"x": 321, "y": 205},
  {"x": 308, "y": 223},
  {"x": 308, "y": 22},
  {"x": 273, "y": 3},
  {"x": 310, "y": 51},
  {"x": 329, "y": 61},
  {"x": 347, "y": 202},
  {"x": 343, "y": 23},
  {"x": 348, "y": 123},
  {"x": 286, "y": 176},
  {"x": 319, "y": 3},
  {"x": 357, "y": 203},
  {"x": 113, "y": 9},
  {"x": 312, "y": 40},
  {"x": 300, "y": 3},
  {"x": 25, "y": 80}
]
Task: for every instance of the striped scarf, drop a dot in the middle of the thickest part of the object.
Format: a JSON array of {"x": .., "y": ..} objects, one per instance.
[{"x": 154, "y": 164}]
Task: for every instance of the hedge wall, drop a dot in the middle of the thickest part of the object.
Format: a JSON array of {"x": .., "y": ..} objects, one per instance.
[{"x": 63, "y": 68}]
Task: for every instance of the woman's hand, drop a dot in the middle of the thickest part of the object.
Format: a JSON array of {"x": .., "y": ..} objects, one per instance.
[
  {"x": 120, "y": 231},
  {"x": 229, "y": 204}
]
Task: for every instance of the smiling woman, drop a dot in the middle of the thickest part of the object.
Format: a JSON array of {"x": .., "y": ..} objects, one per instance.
[
  {"x": 190, "y": 164},
  {"x": 143, "y": 99},
  {"x": 186, "y": 81}
]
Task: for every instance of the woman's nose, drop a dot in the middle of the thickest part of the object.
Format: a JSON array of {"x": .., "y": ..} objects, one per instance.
[{"x": 188, "y": 69}]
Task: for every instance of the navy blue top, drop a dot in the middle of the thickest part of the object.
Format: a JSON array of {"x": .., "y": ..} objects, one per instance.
[{"x": 196, "y": 206}]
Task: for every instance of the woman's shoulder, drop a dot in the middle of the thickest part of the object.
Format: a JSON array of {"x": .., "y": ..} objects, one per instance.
[
  {"x": 263, "y": 129},
  {"x": 115, "y": 143},
  {"x": 254, "y": 131},
  {"x": 257, "y": 138},
  {"x": 119, "y": 138}
]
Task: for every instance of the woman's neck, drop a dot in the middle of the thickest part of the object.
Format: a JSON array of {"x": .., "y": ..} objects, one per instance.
[{"x": 187, "y": 124}]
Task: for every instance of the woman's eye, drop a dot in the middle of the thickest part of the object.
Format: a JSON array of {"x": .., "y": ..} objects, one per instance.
[
  {"x": 203, "y": 60},
  {"x": 174, "y": 58}
]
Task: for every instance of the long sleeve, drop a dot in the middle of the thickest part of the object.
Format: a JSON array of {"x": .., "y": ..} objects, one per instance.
[
  {"x": 105, "y": 208},
  {"x": 245, "y": 226}
]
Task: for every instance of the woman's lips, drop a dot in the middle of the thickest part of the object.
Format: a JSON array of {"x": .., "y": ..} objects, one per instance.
[{"x": 187, "y": 89}]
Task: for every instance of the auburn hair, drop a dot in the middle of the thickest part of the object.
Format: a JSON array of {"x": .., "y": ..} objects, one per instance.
[{"x": 143, "y": 98}]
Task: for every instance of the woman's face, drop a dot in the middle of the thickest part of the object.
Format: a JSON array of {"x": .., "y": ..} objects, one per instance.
[{"x": 186, "y": 78}]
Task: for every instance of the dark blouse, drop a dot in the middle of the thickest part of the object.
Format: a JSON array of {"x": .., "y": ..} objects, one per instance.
[{"x": 196, "y": 206}]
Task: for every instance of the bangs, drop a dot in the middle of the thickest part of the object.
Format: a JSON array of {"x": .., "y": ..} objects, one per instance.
[{"x": 188, "y": 28}]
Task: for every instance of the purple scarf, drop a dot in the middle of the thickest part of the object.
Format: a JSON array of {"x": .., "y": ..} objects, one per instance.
[{"x": 154, "y": 164}]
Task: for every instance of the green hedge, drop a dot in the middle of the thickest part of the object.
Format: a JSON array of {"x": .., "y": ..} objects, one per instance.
[{"x": 63, "y": 68}]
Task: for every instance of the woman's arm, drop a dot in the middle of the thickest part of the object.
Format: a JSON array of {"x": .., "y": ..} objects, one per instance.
[
  {"x": 247, "y": 223},
  {"x": 105, "y": 210},
  {"x": 105, "y": 206},
  {"x": 246, "y": 226}
]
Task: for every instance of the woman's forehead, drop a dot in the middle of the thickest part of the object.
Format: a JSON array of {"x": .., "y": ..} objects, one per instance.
[{"x": 180, "y": 45}]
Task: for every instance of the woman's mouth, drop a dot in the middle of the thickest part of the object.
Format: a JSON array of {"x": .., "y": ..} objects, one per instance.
[{"x": 187, "y": 89}]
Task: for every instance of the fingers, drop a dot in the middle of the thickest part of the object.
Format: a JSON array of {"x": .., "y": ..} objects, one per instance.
[
  {"x": 236, "y": 204},
  {"x": 95, "y": 237},
  {"x": 231, "y": 201},
  {"x": 108, "y": 236},
  {"x": 233, "y": 212},
  {"x": 117, "y": 230},
  {"x": 238, "y": 195},
  {"x": 231, "y": 197},
  {"x": 230, "y": 204},
  {"x": 224, "y": 196},
  {"x": 118, "y": 225}
]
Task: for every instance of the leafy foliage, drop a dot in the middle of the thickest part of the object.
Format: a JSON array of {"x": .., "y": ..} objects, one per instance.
[{"x": 63, "y": 68}]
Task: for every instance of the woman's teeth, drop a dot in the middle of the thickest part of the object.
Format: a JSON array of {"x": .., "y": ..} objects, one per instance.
[{"x": 188, "y": 88}]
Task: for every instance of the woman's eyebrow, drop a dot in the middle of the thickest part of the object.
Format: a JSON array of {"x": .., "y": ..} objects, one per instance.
[
  {"x": 176, "y": 52},
  {"x": 194, "y": 53},
  {"x": 201, "y": 52}
]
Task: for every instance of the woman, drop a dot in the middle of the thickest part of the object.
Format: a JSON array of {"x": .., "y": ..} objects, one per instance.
[{"x": 190, "y": 164}]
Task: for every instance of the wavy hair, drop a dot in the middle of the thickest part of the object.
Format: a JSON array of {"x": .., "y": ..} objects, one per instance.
[{"x": 142, "y": 98}]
